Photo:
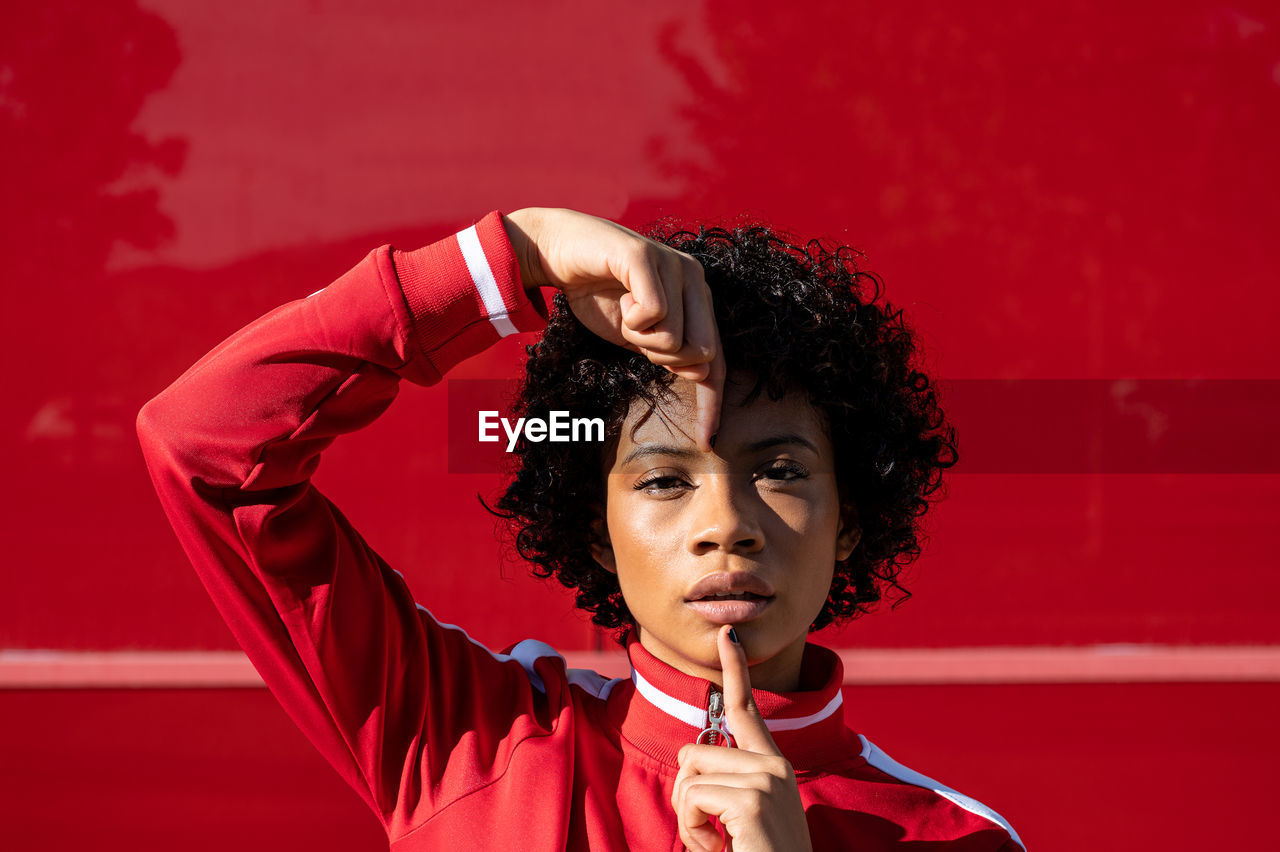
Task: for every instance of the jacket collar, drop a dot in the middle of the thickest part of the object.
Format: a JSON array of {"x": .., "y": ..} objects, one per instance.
[{"x": 665, "y": 709}]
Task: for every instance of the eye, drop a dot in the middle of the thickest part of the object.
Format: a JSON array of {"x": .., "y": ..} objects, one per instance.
[
  {"x": 783, "y": 470},
  {"x": 661, "y": 483}
]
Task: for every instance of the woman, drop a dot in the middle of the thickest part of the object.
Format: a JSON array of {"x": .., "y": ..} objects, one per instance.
[{"x": 768, "y": 452}]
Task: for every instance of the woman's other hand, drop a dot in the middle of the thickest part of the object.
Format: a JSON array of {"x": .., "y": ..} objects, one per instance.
[{"x": 750, "y": 789}]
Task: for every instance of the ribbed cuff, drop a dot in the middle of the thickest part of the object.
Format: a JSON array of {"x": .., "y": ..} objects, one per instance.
[{"x": 464, "y": 293}]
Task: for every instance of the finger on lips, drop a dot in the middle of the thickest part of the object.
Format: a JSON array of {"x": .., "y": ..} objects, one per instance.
[
  {"x": 713, "y": 780},
  {"x": 749, "y": 729}
]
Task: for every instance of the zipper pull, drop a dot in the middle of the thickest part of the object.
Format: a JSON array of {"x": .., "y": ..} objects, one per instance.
[{"x": 714, "y": 733}]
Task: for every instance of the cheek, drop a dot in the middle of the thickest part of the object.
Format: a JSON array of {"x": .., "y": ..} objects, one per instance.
[
  {"x": 626, "y": 534},
  {"x": 813, "y": 515},
  {"x": 817, "y": 591},
  {"x": 640, "y": 529}
]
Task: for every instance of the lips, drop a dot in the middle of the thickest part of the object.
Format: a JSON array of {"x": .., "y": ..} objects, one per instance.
[
  {"x": 729, "y": 597},
  {"x": 729, "y": 585}
]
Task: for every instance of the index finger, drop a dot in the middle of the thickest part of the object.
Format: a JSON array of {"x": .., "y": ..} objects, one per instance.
[
  {"x": 745, "y": 723},
  {"x": 709, "y": 396},
  {"x": 700, "y": 321}
]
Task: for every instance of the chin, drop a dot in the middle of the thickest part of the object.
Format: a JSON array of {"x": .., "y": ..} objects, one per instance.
[{"x": 763, "y": 644}]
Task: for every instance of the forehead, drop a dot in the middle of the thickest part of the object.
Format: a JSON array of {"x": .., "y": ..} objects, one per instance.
[{"x": 673, "y": 419}]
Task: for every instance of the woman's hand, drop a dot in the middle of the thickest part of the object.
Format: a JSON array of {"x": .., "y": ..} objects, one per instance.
[
  {"x": 750, "y": 789},
  {"x": 629, "y": 290}
]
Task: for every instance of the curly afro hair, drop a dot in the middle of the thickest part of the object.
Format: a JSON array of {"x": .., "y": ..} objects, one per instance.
[{"x": 793, "y": 319}]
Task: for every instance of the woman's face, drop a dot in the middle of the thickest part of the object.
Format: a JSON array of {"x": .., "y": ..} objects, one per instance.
[{"x": 747, "y": 534}]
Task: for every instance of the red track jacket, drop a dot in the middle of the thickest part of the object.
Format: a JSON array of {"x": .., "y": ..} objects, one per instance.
[{"x": 453, "y": 746}]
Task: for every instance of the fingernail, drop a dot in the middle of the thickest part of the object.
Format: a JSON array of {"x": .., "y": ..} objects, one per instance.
[
  {"x": 712, "y": 442},
  {"x": 733, "y": 636}
]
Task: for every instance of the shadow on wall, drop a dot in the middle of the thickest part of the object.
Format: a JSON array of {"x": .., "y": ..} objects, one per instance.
[
  {"x": 64, "y": 210},
  {"x": 78, "y": 180}
]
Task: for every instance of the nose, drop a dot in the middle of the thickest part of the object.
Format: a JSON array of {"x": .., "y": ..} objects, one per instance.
[{"x": 725, "y": 517}]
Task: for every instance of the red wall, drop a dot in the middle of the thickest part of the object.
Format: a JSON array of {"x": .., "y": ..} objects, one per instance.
[{"x": 1051, "y": 194}]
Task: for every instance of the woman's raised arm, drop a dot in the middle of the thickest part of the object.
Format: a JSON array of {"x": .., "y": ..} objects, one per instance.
[{"x": 374, "y": 682}]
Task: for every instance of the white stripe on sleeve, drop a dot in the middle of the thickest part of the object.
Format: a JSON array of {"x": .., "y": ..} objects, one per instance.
[
  {"x": 482, "y": 276},
  {"x": 889, "y": 766}
]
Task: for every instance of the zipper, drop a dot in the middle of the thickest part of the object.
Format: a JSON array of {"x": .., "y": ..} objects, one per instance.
[{"x": 714, "y": 733}]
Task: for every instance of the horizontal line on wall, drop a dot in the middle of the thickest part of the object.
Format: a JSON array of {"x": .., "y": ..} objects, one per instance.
[{"x": 36, "y": 669}]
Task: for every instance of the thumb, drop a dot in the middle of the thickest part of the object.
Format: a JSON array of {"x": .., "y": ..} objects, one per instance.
[{"x": 745, "y": 723}]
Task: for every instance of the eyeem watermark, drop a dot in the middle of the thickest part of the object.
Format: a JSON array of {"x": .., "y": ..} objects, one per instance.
[
  {"x": 558, "y": 428},
  {"x": 1017, "y": 426}
]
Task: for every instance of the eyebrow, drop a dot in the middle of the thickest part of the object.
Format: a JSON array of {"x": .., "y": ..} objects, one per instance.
[
  {"x": 646, "y": 450},
  {"x": 781, "y": 440}
]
